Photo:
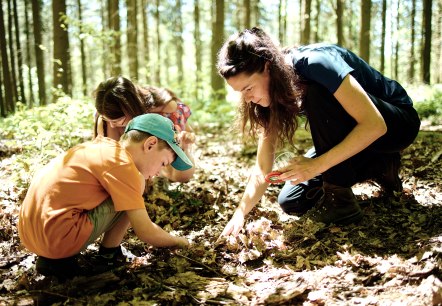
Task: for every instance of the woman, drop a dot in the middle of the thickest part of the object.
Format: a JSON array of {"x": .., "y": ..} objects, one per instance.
[
  {"x": 118, "y": 100},
  {"x": 359, "y": 119}
]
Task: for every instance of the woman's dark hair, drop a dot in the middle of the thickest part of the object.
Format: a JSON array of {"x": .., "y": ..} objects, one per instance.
[{"x": 248, "y": 52}]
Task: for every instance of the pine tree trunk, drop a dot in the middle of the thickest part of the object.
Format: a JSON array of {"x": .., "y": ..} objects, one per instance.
[
  {"x": 62, "y": 72},
  {"x": 8, "y": 102},
  {"x": 217, "y": 41},
  {"x": 39, "y": 56},
  {"x": 364, "y": 35},
  {"x": 28, "y": 56},
  {"x": 132, "y": 34},
  {"x": 82, "y": 51},
  {"x": 426, "y": 44},
  {"x": 21, "y": 81},
  {"x": 113, "y": 14},
  {"x": 198, "y": 49}
]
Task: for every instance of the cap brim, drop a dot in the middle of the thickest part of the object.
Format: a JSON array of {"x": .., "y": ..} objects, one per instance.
[{"x": 182, "y": 162}]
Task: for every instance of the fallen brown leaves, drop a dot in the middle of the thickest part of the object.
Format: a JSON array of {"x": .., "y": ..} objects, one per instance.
[{"x": 393, "y": 256}]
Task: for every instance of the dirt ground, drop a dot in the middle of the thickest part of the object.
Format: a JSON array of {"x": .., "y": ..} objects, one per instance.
[{"x": 392, "y": 257}]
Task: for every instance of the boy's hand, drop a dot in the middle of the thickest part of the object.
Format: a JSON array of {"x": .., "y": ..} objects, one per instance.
[{"x": 182, "y": 243}]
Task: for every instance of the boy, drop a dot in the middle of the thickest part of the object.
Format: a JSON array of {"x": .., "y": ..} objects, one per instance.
[{"x": 95, "y": 188}]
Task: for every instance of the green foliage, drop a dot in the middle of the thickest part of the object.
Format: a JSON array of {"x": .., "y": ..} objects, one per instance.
[
  {"x": 430, "y": 107},
  {"x": 44, "y": 132}
]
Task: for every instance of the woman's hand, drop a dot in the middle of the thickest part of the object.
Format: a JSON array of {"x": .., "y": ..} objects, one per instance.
[
  {"x": 234, "y": 226},
  {"x": 300, "y": 169}
]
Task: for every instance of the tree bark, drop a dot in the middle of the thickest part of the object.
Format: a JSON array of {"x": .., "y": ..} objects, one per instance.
[
  {"x": 384, "y": 26},
  {"x": 61, "y": 70},
  {"x": 217, "y": 40},
  {"x": 132, "y": 34},
  {"x": 426, "y": 43},
  {"x": 115, "y": 44},
  {"x": 364, "y": 35},
  {"x": 82, "y": 51},
  {"x": 8, "y": 104},
  {"x": 21, "y": 81},
  {"x": 28, "y": 56},
  {"x": 305, "y": 35},
  {"x": 198, "y": 49},
  {"x": 39, "y": 58}
]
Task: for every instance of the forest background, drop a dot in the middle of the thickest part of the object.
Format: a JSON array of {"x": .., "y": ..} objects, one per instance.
[{"x": 51, "y": 49}]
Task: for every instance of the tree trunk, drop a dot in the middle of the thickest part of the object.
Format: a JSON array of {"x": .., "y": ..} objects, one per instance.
[
  {"x": 82, "y": 51},
  {"x": 317, "y": 24},
  {"x": 13, "y": 66},
  {"x": 178, "y": 39},
  {"x": 339, "y": 21},
  {"x": 158, "y": 43},
  {"x": 8, "y": 104},
  {"x": 282, "y": 21},
  {"x": 132, "y": 34},
  {"x": 146, "y": 40},
  {"x": 305, "y": 36},
  {"x": 21, "y": 81},
  {"x": 247, "y": 14},
  {"x": 364, "y": 35},
  {"x": 39, "y": 58},
  {"x": 384, "y": 26},
  {"x": 256, "y": 13},
  {"x": 217, "y": 40},
  {"x": 198, "y": 49},
  {"x": 28, "y": 56},
  {"x": 396, "y": 48},
  {"x": 113, "y": 14},
  {"x": 62, "y": 71},
  {"x": 426, "y": 43}
]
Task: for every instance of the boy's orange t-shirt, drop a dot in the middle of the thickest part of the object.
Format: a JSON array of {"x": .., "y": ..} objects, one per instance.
[{"x": 53, "y": 222}]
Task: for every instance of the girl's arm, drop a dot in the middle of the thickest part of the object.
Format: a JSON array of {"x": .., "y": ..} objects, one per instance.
[{"x": 256, "y": 185}]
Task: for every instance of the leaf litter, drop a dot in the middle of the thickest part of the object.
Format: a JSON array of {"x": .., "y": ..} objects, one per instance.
[{"x": 393, "y": 256}]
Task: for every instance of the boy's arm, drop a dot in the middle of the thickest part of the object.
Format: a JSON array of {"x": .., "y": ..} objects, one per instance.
[{"x": 150, "y": 233}]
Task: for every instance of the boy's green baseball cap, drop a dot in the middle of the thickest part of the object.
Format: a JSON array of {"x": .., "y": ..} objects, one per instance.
[{"x": 162, "y": 128}]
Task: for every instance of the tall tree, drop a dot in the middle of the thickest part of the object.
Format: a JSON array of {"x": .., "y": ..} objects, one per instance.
[
  {"x": 132, "y": 34},
  {"x": 21, "y": 81},
  {"x": 412, "y": 42},
  {"x": 38, "y": 44},
  {"x": 339, "y": 21},
  {"x": 396, "y": 47},
  {"x": 62, "y": 61},
  {"x": 364, "y": 34},
  {"x": 12, "y": 56},
  {"x": 2, "y": 100},
  {"x": 282, "y": 21},
  {"x": 317, "y": 24},
  {"x": 178, "y": 40},
  {"x": 426, "y": 41},
  {"x": 8, "y": 104},
  {"x": 198, "y": 48},
  {"x": 82, "y": 50},
  {"x": 217, "y": 39},
  {"x": 28, "y": 55},
  {"x": 305, "y": 34},
  {"x": 157, "y": 76},
  {"x": 247, "y": 14},
  {"x": 146, "y": 39},
  {"x": 113, "y": 15},
  {"x": 383, "y": 31},
  {"x": 256, "y": 13}
]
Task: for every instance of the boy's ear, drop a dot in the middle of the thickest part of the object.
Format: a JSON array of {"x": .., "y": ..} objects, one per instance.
[{"x": 150, "y": 143}]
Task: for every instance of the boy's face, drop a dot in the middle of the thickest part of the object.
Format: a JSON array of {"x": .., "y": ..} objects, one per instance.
[{"x": 155, "y": 158}]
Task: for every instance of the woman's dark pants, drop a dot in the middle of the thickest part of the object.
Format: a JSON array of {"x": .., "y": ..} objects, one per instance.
[{"x": 329, "y": 125}]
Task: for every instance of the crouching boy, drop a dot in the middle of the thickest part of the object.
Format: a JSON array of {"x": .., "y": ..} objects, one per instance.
[{"x": 96, "y": 188}]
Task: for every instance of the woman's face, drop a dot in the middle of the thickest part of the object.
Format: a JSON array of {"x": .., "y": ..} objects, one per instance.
[{"x": 253, "y": 87}]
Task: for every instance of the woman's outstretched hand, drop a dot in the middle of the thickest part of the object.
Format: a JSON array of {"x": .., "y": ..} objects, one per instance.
[{"x": 234, "y": 226}]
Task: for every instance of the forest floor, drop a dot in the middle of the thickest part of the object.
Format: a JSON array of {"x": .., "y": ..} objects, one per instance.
[{"x": 392, "y": 257}]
